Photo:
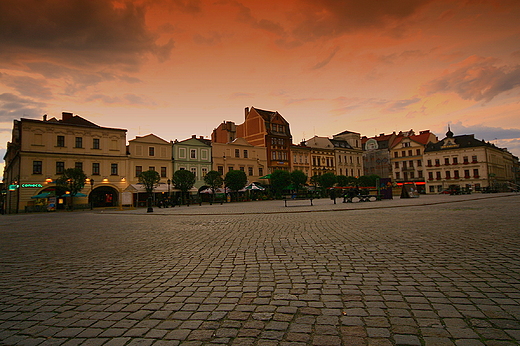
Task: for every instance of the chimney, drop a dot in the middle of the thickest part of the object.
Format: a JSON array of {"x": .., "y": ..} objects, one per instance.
[
  {"x": 194, "y": 136},
  {"x": 246, "y": 111},
  {"x": 201, "y": 137},
  {"x": 66, "y": 116},
  {"x": 45, "y": 117}
]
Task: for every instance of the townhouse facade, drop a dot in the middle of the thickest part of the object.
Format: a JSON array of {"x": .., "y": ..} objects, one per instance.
[
  {"x": 348, "y": 152},
  {"x": 322, "y": 155},
  {"x": 239, "y": 154},
  {"x": 376, "y": 155},
  {"x": 40, "y": 151},
  {"x": 406, "y": 153},
  {"x": 261, "y": 128},
  {"x": 193, "y": 154},
  {"x": 465, "y": 162},
  {"x": 301, "y": 158}
]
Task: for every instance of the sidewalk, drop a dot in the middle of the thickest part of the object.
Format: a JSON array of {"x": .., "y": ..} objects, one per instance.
[{"x": 299, "y": 206}]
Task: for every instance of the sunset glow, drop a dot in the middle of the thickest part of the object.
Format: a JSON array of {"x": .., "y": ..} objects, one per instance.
[{"x": 177, "y": 68}]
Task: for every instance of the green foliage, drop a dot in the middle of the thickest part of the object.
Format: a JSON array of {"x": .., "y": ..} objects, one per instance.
[
  {"x": 327, "y": 180},
  {"x": 343, "y": 180},
  {"x": 280, "y": 179},
  {"x": 214, "y": 180},
  {"x": 298, "y": 179},
  {"x": 368, "y": 180},
  {"x": 315, "y": 180},
  {"x": 183, "y": 180},
  {"x": 72, "y": 179},
  {"x": 235, "y": 180},
  {"x": 150, "y": 179}
]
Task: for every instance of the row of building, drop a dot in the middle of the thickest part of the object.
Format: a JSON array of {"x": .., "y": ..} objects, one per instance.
[{"x": 40, "y": 150}]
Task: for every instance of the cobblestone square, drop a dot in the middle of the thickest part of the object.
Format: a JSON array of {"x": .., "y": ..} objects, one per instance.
[{"x": 437, "y": 270}]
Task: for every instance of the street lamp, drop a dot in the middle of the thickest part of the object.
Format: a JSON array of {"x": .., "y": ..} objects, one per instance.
[
  {"x": 168, "y": 199},
  {"x": 91, "y": 196}
]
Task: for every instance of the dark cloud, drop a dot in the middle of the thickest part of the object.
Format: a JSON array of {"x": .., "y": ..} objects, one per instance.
[
  {"x": 27, "y": 86},
  {"x": 330, "y": 18},
  {"x": 485, "y": 132},
  {"x": 477, "y": 79},
  {"x": 83, "y": 31},
  {"x": 13, "y": 106},
  {"x": 324, "y": 62},
  {"x": 126, "y": 99},
  {"x": 401, "y": 105}
]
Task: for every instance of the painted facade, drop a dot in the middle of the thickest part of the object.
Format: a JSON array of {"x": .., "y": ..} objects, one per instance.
[{"x": 194, "y": 155}]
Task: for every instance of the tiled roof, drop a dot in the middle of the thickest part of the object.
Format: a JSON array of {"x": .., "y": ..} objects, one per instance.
[{"x": 463, "y": 141}]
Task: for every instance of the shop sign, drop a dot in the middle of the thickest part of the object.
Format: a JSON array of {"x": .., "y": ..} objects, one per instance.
[
  {"x": 32, "y": 185},
  {"x": 13, "y": 187}
]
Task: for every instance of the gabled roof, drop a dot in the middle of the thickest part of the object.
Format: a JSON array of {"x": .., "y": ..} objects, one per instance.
[
  {"x": 150, "y": 138},
  {"x": 73, "y": 121},
  {"x": 461, "y": 141},
  {"x": 319, "y": 142},
  {"x": 422, "y": 138}
]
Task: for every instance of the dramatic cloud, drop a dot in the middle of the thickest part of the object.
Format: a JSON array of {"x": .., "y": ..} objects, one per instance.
[
  {"x": 81, "y": 30},
  {"x": 485, "y": 132},
  {"x": 27, "y": 86},
  {"x": 13, "y": 106},
  {"x": 401, "y": 105},
  {"x": 324, "y": 62},
  {"x": 476, "y": 78}
]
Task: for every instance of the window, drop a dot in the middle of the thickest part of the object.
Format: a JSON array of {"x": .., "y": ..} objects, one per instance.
[
  {"x": 448, "y": 175},
  {"x": 151, "y": 168},
  {"x": 456, "y": 174},
  {"x": 95, "y": 143},
  {"x": 397, "y": 165},
  {"x": 410, "y": 163},
  {"x": 432, "y": 188},
  {"x": 420, "y": 174},
  {"x": 204, "y": 171},
  {"x": 397, "y": 175},
  {"x": 194, "y": 171},
  {"x": 446, "y": 160},
  {"x": 438, "y": 175},
  {"x": 246, "y": 154},
  {"x": 474, "y": 158},
  {"x": 419, "y": 163},
  {"x": 429, "y": 163},
  {"x": 404, "y": 164},
  {"x": 412, "y": 175},
  {"x": 230, "y": 168},
  {"x": 465, "y": 158},
  {"x": 475, "y": 173},
  {"x": 273, "y": 155},
  {"x": 466, "y": 173},
  {"x": 437, "y": 162},
  {"x": 410, "y": 153},
  {"x": 396, "y": 154},
  {"x": 163, "y": 172},
  {"x": 60, "y": 141},
  {"x": 60, "y": 167},
  {"x": 418, "y": 152},
  {"x": 430, "y": 175},
  {"x": 113, "y": 169},
  {"x": 242, "y": 168},
  {"x": 193, "y": 153},
  {"x": 37, "y": 167},
  {"x": 79, "y": 142},
  {"x": 95, "y": 168},
  {"x": 250, "y": 170},
  {"x": 151, "y": 151},
  {"x": 261, "y": 171},
  {"x": 455, "y": 161},
  {"x": 403, "y": 153},
  {"x": 220, "y": 169},
  {"x": 78, "y": 165},
  {"x": 237, "y": 152},
  {"x": 138, "y": 170}
]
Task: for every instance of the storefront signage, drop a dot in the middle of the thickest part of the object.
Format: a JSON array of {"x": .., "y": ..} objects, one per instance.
[
  {"x": 32, "y": 185},
  {"x": 13, "y": 187}
]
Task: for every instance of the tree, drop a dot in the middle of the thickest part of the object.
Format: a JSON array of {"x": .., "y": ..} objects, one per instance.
[
  {"x": 214, "y": 180},
  {"x": 315, "y": 180},
  {"x": 235, "y": 180},
  {"x": 368, "y": 180},
  {"x": 280, "y": 179},
  {"x": 327, "y": 180},
  {"x": 183, "y": 180},
  {"x": 72, "y": 179},
  {"x": 150, "y": 179},
  {"x": 298, "y": 179}
]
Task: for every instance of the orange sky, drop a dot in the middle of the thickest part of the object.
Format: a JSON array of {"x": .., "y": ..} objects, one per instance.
[{"x": 181, "y": 67}]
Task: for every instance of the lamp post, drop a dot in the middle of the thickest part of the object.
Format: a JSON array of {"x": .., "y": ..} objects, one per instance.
[
  {"x": 168, "y": 199},
  {"x": 91, "y": 196}
]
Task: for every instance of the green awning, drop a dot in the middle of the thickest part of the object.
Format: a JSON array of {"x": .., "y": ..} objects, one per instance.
[
  {"x": 42, "y": 195},
  {"x": 268, "y": 176}
]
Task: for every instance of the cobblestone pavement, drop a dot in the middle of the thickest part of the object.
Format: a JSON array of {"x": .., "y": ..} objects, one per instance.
[{"x": 404, "y": 272}]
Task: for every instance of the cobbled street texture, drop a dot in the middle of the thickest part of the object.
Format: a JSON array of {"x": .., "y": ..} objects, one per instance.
[{"x": 438, "y": 274}]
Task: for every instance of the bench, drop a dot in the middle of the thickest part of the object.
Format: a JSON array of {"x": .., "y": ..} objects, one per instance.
[{"x": 295, "y": 197}]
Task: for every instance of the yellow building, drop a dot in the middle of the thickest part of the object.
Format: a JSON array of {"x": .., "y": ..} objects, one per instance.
[
  {"x": 240, "y": 155},
  {"x": 465, "y": 162},
  {"x": 40, "y": 150},
  {"x": 301, "y": 159}
]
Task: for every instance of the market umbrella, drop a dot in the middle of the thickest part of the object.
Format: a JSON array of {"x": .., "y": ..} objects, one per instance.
[
  {"x": 253, "y": 186},
  {"x": 268, "y": 176},
  {"x": 42, "y": 195}
]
